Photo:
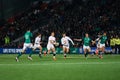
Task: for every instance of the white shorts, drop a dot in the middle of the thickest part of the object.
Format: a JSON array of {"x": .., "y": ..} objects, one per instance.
[
  {"x": 50, "y": 46},
  {"x": 27, "y": 45},
  {"x": 66, "y": 46},
  {"x": 36, "y": 46},
  {"x": 86, "y": 47},
  {"x": 102, "y": 45}
]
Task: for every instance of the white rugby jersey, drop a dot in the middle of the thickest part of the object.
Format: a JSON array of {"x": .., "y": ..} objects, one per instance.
[
  {"x": 37, "y": 40},
  {"x": 65, "y": 41},
  {"x": 51, "y": 38}
]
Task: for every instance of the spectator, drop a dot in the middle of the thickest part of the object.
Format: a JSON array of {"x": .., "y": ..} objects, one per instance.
[{"x": 7, "y": 40}]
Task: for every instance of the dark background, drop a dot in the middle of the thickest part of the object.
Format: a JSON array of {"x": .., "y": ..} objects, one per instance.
[{"x": 11, "y": 7}]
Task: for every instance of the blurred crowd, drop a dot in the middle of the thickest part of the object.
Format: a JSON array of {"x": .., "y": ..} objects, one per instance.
[{"x": 75, "y": 18}]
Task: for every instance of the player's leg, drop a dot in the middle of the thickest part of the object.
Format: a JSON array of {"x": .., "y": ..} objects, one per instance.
[
  {"x": 54, "y": 53},
  {"x": 100, "y": 53},
  {"x": 48, "y": 49},
  {"x": 97, "y": 50},
  {"x": 67, "y": 50},
  {"x": 23, "y": 50},
  {"x": 64, "y": 51},
  {"x": 31, "y": 51},
  {"x": 85, "y": 51},
  {"x": 88, "y": 50},
  {"x": 102, "y": 50},
  {"x": 20, "y": 53},
  {"x": 40, "y": 53}
]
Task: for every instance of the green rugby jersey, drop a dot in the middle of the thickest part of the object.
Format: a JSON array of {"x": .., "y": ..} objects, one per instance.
[
  {"x": 86, "y": 41},
  {"x": 103, "y": 39},
  {"x": 28, "y": 36}
]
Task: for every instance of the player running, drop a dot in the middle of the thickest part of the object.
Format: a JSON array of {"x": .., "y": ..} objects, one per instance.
[
  {"x": 65, "y": 42},
  {"x": 37, "y": 44},
  {"x": 27, "y": 44},
  {"x": 97, "y": 45},
  {"x": 86, "y": 44},
  {"x": 50, "y": 45},
  {"x": 103, "y": 40}
]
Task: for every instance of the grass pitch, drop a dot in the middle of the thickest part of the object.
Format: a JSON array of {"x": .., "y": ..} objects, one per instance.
[{"x": 75, "y": 67}]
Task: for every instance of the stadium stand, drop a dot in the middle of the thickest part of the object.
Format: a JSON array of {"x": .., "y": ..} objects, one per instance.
[{"x": 76, "y": 18}]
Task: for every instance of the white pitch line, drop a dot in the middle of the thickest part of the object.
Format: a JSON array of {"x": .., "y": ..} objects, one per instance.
[{"x": 89, "y": 63}]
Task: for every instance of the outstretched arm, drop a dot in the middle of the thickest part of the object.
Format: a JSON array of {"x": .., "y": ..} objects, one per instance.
[
  {"x": 71, "y": 40},
  {"x": 62, "y": 42},
  {"x": 78, "y": 39},
  {"x": 93, "y": 42},
  {"x": 97, "y": 39}
]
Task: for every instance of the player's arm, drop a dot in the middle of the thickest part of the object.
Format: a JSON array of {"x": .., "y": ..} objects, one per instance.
[
  {"x": 35, "y": 40},
  {"x": 41, "y": 41},
  {"x": 53, "y": 42},
  {"x": 78, "y": 39},
  {"x": 97, "y": 39},
  {"x": 93, "y": 42},
  {"x": 71, "y": 40},
  {"x": 62, "y": 42}
]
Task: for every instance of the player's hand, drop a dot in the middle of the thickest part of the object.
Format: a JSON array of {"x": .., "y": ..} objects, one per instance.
[
  {"x": 93, "y": 42},
  {"x": 56, "y": 44}
]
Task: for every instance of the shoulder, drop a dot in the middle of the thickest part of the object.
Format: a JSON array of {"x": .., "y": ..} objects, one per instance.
[
  {"x": 51, "y": 37},
  {"x": 67, "y": 37},
  {"x": 62, "y": 38},
  {"x": 37, "y": 37}
]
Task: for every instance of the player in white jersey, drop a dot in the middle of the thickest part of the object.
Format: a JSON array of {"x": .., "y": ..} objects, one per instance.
[
  {"x": 50, "y": 45},
  {"x": 97, "y": 45},
  {"x": 37, "y": 44},
  {"x": 65, "y": 42}
]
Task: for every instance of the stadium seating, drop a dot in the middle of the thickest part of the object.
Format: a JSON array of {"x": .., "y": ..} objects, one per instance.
[{"x": 74, "y": 18}]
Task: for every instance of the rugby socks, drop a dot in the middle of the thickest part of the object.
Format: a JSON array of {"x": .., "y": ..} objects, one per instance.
[
  {"x": 100, "y": 52},
  {"x": 54, "y": 54},
  {"x": 85, "y": 54},
  {"x": 31, "y": 53},
  {"x": 19, "y": 54},
  {"x": 65, "y": 55},
  {"x": 40, "y": 54}
]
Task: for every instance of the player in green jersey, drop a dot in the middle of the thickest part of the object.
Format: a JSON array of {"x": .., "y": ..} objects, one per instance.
[
  {"x": 86, "y": 44},
  {"x": 27, "y": 44},
  {"x": 103, "y": 40}
]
